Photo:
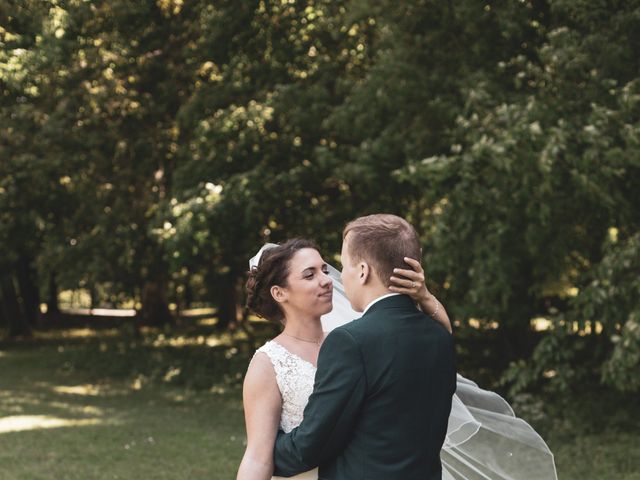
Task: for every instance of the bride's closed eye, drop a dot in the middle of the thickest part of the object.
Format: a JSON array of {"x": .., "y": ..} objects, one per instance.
[{"x": 308, "y": 275}]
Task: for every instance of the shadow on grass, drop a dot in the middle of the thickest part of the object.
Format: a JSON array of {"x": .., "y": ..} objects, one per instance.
[
  {"x": 72, "y": 377},
  {"x": 80, "y": 404},
  {"x": 194, "y": 355}
]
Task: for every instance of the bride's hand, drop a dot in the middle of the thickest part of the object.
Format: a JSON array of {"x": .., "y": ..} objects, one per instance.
[{"x": 412, "y": 283}]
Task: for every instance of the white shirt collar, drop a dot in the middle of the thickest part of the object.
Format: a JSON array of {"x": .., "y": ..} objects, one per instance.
[{"x": 377, "y": 300}]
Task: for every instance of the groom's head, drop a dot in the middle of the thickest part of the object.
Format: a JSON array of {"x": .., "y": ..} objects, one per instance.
[{"x": 372, "y": 247}]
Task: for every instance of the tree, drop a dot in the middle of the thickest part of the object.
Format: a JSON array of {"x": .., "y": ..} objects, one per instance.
[
  {"x": 531, "y": 189},
  {"x": 268, "y": 77}
]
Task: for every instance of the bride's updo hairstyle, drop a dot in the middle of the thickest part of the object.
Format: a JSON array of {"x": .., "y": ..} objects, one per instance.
[{"x": 273, "y": 269}]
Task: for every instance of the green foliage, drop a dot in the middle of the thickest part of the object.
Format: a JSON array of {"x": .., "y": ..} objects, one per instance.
[
  {"x": 559, "y": 361},
  {"x": 613, "y": 297},
  {"x": 152, "y": 146},
  {"x": 532, "y": 183},
  {"x": 621, "y": 369},
  {"x": 568, "y": 356}
]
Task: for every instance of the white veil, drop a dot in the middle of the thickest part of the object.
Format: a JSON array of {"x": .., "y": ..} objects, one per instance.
[{"x": 485, "y": 440}]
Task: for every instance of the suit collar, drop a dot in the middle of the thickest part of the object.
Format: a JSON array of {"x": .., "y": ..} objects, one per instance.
[
  {"x": 377, "y": 300},
  {"x": 385, "y": 302}
]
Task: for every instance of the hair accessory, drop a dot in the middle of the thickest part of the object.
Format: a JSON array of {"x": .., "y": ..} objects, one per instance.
[{"x": 255, "y": 260}]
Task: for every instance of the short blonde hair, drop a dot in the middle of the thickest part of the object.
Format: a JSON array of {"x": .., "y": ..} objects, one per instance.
[{"x": 382, "y": 240}]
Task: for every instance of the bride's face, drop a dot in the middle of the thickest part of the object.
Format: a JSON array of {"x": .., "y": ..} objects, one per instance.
[{"x": 309, "y": 288}]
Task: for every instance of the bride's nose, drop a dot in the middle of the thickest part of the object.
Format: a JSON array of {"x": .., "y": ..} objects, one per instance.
[{"x": 325, "y": 280}]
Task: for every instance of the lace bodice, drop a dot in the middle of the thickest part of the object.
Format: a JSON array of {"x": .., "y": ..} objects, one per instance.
[{"x": 295, "y": 378}]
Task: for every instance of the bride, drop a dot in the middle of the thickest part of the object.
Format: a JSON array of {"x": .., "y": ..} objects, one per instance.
[{"x": 292, "y": 285}]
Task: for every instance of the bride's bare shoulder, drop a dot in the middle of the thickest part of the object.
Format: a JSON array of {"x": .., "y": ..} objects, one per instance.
[
  {"x": 261, "y": 366},
  {"x": 260, "y": 375}
]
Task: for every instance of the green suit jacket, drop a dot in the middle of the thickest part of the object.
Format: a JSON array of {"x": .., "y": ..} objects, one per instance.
[{"x": 380, "y": 402}]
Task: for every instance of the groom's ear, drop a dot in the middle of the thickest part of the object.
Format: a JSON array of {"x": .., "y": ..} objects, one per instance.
[
  {"x": 365, "y": 271},
  {"x": 278, "y": 293}
]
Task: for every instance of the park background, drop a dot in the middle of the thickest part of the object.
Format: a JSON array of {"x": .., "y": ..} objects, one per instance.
[{"x": 148, "y": 148}]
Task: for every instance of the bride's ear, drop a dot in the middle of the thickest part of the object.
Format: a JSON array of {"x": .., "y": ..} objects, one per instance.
[{"x": 278, "y": 293}]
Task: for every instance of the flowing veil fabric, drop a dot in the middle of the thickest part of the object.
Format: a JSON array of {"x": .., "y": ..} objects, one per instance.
[{"x": 485, "y": 440}]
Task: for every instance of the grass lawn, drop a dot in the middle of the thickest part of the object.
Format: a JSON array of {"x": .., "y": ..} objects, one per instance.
[
  {"x": 593, "y": 437},
  {"x": 58, "y": 421},
  {"x": 86, "y": 404}
]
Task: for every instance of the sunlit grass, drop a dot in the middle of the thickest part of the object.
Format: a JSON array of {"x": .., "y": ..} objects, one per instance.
[
  {"x": 87, "y": 389},
  {"x": 77, "y": 333},
  {"x": 213, "y": 340},
  {"x": 20, "y": 423},
  {"x": 102, "y": 312},
  {"x": 67, "y": 412},
  {"x": 207, "y": 322},
  {"x": 80, "y": 298},
  {"x": 196, "y": 312},
  {"x": 541, "y": 324},
  {"x": 538, "y": 324}
]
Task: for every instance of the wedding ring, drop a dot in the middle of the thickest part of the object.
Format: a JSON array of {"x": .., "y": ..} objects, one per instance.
[{"x": 413, "y": 284}]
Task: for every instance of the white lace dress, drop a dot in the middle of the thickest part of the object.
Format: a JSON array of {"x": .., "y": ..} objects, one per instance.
[{"x": 295, "y": 378}]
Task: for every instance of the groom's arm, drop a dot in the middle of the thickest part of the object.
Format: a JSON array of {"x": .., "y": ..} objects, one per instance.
[{"x": 332, "y": 411}]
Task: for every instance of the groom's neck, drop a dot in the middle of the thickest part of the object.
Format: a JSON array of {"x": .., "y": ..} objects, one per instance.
[{"x": 374, "y": 292}]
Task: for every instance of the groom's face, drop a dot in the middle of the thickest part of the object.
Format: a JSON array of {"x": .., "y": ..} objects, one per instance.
[{"x": 350, "y": 276}]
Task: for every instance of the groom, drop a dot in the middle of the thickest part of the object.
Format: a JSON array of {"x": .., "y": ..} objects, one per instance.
[{"x": 383, "y": 387}]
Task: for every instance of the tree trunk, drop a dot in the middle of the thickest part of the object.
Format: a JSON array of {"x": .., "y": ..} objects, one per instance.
[
  {"x": 518, "y": 339},
  {"x": 3, "y": 318},
  {"x": 155, "y": 309},
  {"x": 92, "y": 296},
  {"x": 53, "y": 309},
  {"x": 188, "y": 292},
  {"x": 17, "y": 321},
  {"x": 227, "y": 300},
  {"x": 29, "y": 291},
  {"x": 515, "y": 331}
]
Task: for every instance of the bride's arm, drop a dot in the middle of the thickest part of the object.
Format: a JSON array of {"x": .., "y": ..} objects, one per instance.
[
  {"x": 262, "y": 410},
  {"x": 412, "y": 283}
]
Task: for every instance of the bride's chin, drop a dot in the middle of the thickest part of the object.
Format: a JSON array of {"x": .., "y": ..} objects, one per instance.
[{"x": 327, "y": 309}]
